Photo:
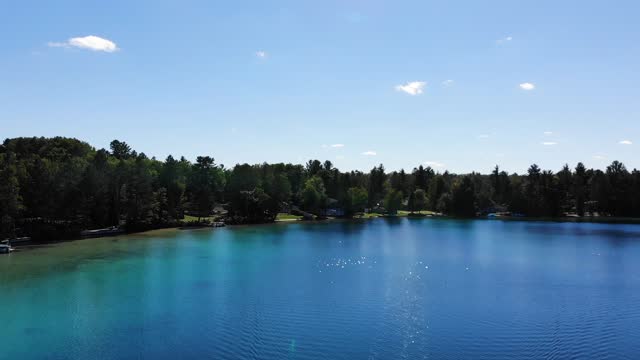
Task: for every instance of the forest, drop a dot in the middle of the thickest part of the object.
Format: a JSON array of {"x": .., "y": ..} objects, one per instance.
[{"x": 52, "y": 188}]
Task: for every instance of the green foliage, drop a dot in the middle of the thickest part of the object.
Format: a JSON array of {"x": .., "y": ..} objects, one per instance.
[
  {"x": 422, "y": 177},
  {"x": 9, "y": 194},
  {"x": 314, "y": 197},
  {"x": 393, "y": 202},
  {"x": 357, "y": 198},
  {"x": 377, "y": 180},
  {"x": 205, "y": 182},
  {"x": 253, "y": 206},
  {"x": 280, "y": 188},
  {"x": 120, "y": 150},
  {"x": 445, "y": 204},
  {"x": 501, "y": 186},
  {"x": 463, "y": 198},
  {"x": 419, "y": 200},
  {"x": 437, "y": 188},
  {"x": 258, "y": 193},
  {"x": 53, "y": 187}
]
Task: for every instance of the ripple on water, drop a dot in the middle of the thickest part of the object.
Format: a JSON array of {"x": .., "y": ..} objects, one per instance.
[{"x": 376, "y": 290}]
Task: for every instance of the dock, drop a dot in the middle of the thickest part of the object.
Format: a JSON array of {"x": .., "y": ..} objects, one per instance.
[{"x": 101, "y": 232}]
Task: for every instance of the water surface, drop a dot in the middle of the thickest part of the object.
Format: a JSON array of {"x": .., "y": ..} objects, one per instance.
[{"x": 379, "y": 289}]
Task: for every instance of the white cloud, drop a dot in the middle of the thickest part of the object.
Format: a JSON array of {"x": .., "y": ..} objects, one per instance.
[
  {"x": 434, "y": 164},
  {"x": 90, "y": 42},
  {"x": 548, "y": 133},
  {"x": 412, "y": 88},
  {"x": 626, "y": 142},
  {"x": 483, "y": 136},
  {"x": 549, "y": 143},
  {"x": 369, "y": 153},
  {"x": 527, "y": 86},
  {"x": 599, "y": 157},
  {"x": 448, "y": 83},
  {"x": 504, "y": 39},
  {"x": 333, "y": 146},
  {"x": 261, "y": 54}
]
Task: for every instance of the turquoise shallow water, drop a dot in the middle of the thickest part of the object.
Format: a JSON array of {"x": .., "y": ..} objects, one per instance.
[{"x": 382, "y": 289}]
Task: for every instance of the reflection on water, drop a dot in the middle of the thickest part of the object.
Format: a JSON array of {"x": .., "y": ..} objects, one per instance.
[
  {"x": 576, "y": 229},
  {"x": 379, "y": 289}
]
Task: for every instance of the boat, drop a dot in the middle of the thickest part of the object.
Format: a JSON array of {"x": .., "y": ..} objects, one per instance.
[
  {"x": 5, "y": 249},
  {"x": 19, "y": 241}
]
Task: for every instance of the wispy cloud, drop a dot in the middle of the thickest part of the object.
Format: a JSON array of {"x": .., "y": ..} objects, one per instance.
[
  {"x": 91, "y": 42},
  {"x": 549, "y": 143},
  {"x": 412, "y": 88},
  {"x": 434, "y": 164},
  {"x": 599, "y": 157},
  {"x": 261, "y": 54},
  {"x": 548, "y": 133},
  {"x": 527, "y": 86},
  {"x": 333, "y": 146},
  {"x": 626, "y": 142},
  {"x": 448, "y": 83},
  {"x": 505, "y": 39},
  {"x": 483, "y": 136},
  {"x": 369, "y": 153}
]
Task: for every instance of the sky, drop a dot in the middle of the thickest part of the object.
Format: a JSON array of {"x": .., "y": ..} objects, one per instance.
[{"x": 456, "y": 85}]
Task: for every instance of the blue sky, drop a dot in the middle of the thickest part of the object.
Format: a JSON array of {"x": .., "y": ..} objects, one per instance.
[{"x": 458, "y": 85}]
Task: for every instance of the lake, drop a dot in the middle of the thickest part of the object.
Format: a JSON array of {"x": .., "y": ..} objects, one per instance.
[{"x": 378, "y": 289}]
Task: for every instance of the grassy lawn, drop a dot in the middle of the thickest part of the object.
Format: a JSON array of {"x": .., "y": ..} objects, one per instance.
[
  {"x": 287, "y": 217},
  {"x": 423, "y": 212},
  {"x": 189, "y": 218},
  {"x": 367, "y": 216}
]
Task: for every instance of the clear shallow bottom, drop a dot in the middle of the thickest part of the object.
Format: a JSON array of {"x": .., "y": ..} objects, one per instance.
[{"x": 383, "y": 289}]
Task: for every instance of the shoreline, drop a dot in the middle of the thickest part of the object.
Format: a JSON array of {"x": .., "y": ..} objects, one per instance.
[{"x": 585, "y": 220}]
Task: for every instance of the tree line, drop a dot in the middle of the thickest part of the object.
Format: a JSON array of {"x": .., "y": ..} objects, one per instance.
[{"x": 54, "y": 187}]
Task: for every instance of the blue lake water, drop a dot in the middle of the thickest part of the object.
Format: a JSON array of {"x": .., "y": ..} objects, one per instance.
[{"x": 379, "y": 289}]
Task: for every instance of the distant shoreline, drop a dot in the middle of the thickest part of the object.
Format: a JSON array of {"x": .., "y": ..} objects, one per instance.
[
  {"x": 63, "y": 188},
  {"x": 585, "y": 220}
]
